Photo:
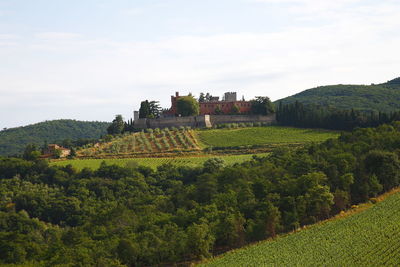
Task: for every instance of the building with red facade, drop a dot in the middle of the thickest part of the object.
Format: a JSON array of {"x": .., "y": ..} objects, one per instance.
[{"x": 212, "y": 106}]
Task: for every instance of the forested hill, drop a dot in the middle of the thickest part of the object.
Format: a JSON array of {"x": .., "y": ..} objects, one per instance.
[
  {"x": 380, "y": 97},
  {"x": 14, "y": 140}
]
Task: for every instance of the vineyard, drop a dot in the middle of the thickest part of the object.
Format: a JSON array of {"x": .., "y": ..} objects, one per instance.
[
  {"x": 185, "y": 139},
  {"x": 155, "y": 162},
  {"x": 367, "y": 238},
  {"x": 152, "y": 141},
  {"x": 261, "y": 135}
]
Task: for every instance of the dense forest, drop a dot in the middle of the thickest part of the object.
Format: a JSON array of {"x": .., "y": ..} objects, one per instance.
[
  {"x": 135, "y": 216},
  {"x": 14, "y": 140},
  {"x": 381, "y": 97},
  {"x": 315, "y": 116}
]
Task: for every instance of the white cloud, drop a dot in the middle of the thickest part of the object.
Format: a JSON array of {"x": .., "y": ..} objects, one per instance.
[{"x": 57, "y": 36}]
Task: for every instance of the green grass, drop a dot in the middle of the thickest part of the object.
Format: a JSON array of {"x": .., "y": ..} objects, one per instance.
[
  {"x": 155, "y": 162},
  {"x": 367, "y": 238},
  {"x": 262, "y": 136}
]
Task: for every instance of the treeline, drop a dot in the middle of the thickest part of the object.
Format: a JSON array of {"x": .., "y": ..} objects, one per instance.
[
  {"x": 13, "y": 141},
  {"x": 314, "y": 116},
  {"x": 134, "y": 216}
]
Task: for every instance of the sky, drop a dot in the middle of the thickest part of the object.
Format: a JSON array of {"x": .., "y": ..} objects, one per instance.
[{"x": 93, "y": 59}]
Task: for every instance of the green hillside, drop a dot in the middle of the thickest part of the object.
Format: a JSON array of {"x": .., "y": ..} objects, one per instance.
[
  {"x": 262, "y": 136},
  {"x": 158, "y": 141},
  {"x": 155, "y": 162},
  {"x": 380, "y": 97},
  {"x": 368, "y": 238},
  {"x": 14, "y": 140}
]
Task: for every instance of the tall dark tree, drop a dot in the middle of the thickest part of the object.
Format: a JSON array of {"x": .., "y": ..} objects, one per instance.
[
  {"x": 117, "y": 125},
  {"x": 149, "y": 109},
  {"x": 155, "y": 109},
  {"x": 144, "y": 110},
  {"x": 202, "y": 97}
]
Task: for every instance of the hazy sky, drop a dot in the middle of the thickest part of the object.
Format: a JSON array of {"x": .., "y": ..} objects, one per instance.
[{"x": 92, "y": 59}]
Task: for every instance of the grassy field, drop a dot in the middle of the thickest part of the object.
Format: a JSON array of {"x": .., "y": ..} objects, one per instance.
[
  {"x": 155, "y": 162},
  {"x": 368, "y": 238},
  {"x": 261, "y": 135}
]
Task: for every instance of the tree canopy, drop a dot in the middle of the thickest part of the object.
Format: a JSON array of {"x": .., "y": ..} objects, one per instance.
[
  {"x": 117, "y": 125},
  {"x": 187, "y": 106},
  {"x": 13, "y": 141},
  {"x": 136, "y": 216},
  {"x": 376, "y": 97},
  {"x": 149, "y": 109},
  {"x": 262, "y": 105}
]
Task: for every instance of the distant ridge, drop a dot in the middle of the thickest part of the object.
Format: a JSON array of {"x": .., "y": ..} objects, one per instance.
[
  {"x": 14, "y": 140},
  {"x": 395, "y": 82},
  {"x": 375, "y": 97}
]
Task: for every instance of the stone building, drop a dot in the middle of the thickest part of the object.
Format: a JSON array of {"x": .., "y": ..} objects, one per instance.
[
  {"x": 53, "y": 148},
  {"x": 210, "y": 107},
  {"x": 207, "y": 117}
]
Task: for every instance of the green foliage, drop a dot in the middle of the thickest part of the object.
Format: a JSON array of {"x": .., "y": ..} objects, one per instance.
[
  {"x": 14, "y": 140},
  {"x": 31, "y": 152},
  {"x": 382, "y": 97},
  {"x": 350, "y": 241},
  {"x": 149, "y": 109},
  {"x": 262, "y": 106},
  {"x": 144, "y": 110},
  {"x": 200, "y": 240},
  {"x": 218, "y": 110},
  {"x": 156, "y": 162},
  {"x": 187, "y": 106},
  {"x": 135, "y": 215},
  {"x": 117, "y": 125},
  {"x": 313, "y": 116},
  {"x": 263, "y": 135}
]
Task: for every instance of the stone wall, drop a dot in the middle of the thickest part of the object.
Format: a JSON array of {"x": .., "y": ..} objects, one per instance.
[
  {"x": 192, "y": 121},
  {"x": 220, "y": 119},
  {"x": 202, "y": 121}
]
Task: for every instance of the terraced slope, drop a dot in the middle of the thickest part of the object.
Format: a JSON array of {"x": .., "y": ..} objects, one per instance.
[
  {"x": 368, "y": 238},
  {"x": 151, "y": 142}
]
